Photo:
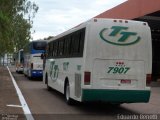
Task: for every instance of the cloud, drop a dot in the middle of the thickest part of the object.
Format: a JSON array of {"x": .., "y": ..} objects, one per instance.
[{"x": 55, "y": 17}]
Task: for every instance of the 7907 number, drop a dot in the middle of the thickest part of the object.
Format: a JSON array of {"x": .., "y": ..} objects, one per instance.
[{"x": 119, "y": 70}]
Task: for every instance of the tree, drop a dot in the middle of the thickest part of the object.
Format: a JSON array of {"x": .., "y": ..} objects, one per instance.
[{"x": 16, "y": 19}]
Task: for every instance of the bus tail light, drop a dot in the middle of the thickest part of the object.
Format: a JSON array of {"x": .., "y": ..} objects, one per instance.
[
  {"x": 148, "y": 79},
  {"x": 87, "y": 78},
  {"x": 31, "y": 65}
]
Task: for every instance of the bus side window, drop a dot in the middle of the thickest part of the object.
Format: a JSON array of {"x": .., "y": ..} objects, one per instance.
[
  {"x": 67, "y": 48},
  {"x": 82, "y": 37},
  {"x": 47, "y": 51},
  {"x": 60, "y": 47},
  {"x": 71, "y": 45},
  {"x": 56, "y": 48},
  {"x": 71, "y": 48},
  {"x": 51, "y": 49},
  {"x": 76, "y": 44}
]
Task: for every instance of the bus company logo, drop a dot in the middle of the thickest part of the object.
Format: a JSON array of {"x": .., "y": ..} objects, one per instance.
[{"x": 122, "y": 34}]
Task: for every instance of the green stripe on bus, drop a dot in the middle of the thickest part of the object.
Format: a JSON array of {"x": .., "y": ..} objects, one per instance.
[{"x": 120, "y": 96}]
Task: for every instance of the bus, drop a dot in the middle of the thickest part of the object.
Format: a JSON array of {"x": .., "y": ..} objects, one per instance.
[
  {"x": 106, "y": 60},
  {"x": 33, "y": 64},
  {"x": 19, "y": 61}
]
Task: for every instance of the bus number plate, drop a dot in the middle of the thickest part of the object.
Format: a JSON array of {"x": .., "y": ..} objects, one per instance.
[{"x": 118, "y": 70}]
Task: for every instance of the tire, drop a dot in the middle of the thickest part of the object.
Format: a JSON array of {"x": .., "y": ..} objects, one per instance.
[
  {"x": 30, "y": 78},
  {"x": 68, "y": 100},
  {"x": 48, "y": 87}
]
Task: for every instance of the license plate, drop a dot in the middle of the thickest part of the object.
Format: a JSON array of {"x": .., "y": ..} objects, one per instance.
[{"x": 126, "y": 81}]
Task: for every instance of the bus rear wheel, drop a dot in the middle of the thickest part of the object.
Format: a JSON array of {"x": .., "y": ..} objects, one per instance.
[{"x": 69, "y": 101}]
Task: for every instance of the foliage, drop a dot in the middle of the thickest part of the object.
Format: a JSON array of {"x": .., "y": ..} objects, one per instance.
[{"x": 16, "y": 19}]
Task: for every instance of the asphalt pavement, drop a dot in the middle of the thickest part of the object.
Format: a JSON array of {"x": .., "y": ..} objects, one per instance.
[{"x": 10, "y": 104}]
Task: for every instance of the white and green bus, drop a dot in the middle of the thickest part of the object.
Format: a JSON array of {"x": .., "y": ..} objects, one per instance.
[{"x": 101, "y": 60}]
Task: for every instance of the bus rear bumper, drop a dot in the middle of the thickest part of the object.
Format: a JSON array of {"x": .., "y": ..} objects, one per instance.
[
  {"x": 37, "y": 73},
  {"x": 116, "y": 96}
]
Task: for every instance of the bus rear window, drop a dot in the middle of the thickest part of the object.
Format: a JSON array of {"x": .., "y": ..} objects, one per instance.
[{"x": 39, "y": 45}]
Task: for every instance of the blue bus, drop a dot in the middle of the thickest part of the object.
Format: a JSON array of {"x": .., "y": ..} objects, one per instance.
[{"x": 33, "y": 64}]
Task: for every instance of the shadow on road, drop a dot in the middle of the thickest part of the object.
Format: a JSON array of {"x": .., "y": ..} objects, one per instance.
[{"x": 95, "y": 108}]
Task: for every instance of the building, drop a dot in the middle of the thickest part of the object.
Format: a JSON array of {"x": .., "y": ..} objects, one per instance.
[
  {"x": 6, "y": 60},
  {"x": 141, "y": 10}
]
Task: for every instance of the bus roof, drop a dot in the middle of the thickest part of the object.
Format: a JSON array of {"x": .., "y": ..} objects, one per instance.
[{"x": 84, "y": 24}]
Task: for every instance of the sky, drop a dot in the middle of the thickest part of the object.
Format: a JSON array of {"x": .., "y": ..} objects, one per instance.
[{"x": 57, "y": 16}]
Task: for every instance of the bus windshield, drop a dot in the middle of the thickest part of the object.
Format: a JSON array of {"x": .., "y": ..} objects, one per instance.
[{"x": 39, "y": 45}]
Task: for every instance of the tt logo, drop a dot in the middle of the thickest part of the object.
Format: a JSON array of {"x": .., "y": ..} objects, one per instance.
[{"x": 119, "y": 35}]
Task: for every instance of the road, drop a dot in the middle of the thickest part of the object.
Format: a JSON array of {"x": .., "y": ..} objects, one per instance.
[{"x": 51, "y": 104}]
